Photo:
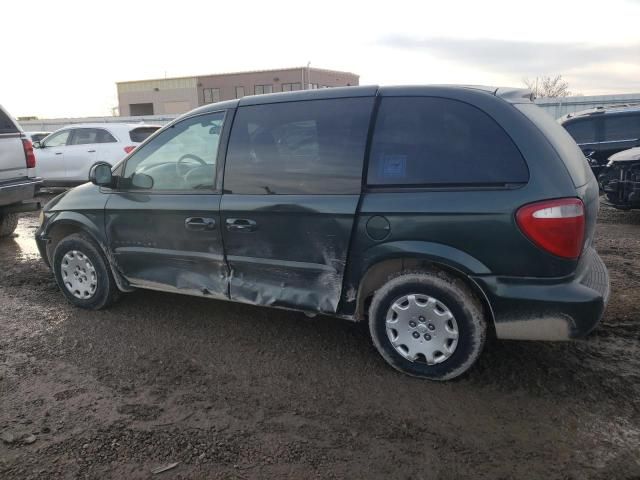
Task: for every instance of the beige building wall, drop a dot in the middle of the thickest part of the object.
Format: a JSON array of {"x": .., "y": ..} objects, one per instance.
[
  {"x": 318, "y": 78},
  {"x": 168, "y": 96},
  {"x": 179, "y": 95}
]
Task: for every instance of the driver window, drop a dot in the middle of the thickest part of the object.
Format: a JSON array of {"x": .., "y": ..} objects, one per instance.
[
  {"x": 182, "y": 157},
  {"x": 57, "y": 139}
]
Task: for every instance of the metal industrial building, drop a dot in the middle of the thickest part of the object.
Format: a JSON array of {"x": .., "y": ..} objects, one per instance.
[{"x": 179, "y": 95}]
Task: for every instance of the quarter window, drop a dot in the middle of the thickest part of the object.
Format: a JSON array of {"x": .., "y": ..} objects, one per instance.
[
  {"x": 182, "y": 157},
  {"x": 436, "y": 141},
  {"x": 57, "y": 139},
  {"x": 308, "y": 147},
  {"x": 140, "y": 134},
  {"x": 211, "y": 95}
]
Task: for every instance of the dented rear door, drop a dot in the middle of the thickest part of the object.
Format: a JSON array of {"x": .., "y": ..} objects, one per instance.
[{"x": 292, "y": 183}]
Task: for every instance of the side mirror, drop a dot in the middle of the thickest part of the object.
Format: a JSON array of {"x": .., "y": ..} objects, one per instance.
[
  {"x": 142, "y": 181},
  {"x": 100, "y": 174},
  {"x": 37, "y": 144}
]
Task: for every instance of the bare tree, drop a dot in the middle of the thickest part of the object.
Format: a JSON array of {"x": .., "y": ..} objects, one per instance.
[{"x": 546, "y": 86}]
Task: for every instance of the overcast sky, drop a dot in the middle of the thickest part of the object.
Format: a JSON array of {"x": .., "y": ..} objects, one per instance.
[{"x": 63, "y": 58}]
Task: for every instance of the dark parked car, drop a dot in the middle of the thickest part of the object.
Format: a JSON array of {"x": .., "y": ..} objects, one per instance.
[
  {"x": 601, "y": 132},
  {"x": 437, "y": 214}
]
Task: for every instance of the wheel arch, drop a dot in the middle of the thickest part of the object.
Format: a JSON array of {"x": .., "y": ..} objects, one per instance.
[
  {"x": 69, "y": 223},
  {"x": 382, "y": 271}
]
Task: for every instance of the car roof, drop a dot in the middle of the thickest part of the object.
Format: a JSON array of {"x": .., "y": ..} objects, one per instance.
[
  {"x": 611, "y": 110},
  {"x": 512, "y": 95}
]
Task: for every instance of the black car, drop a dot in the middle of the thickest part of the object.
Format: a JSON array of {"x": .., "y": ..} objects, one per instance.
[
  {"x": 438, "y": 215},
  {"x": 601, "y": 132}
]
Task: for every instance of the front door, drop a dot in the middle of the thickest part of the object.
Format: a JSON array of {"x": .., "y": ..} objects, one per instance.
[
  {"x": 163, "y": 222},
  {"x": 50, "y": 157},
  {"x": 292, "y": 183}
]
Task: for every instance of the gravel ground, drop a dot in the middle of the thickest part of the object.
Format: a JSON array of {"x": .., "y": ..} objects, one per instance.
[{"x": 234, "y": 391}]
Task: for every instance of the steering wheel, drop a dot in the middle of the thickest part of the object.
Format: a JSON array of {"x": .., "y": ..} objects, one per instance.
[{"x": 188, "y": 156}]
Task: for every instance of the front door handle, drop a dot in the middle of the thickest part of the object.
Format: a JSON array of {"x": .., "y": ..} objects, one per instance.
[
  {"x": 199, "y": 223},
  {"x": 91, "y": 151},
  {"x": 241, "y": 225}
]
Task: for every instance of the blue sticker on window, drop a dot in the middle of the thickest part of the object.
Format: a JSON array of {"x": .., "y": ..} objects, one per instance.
[{"x": 393, "y": 165}]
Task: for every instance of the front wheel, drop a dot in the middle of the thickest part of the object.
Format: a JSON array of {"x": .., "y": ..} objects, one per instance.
[
  {"x": 427, "y": 325},
  {"x": 82, "y": 273}
]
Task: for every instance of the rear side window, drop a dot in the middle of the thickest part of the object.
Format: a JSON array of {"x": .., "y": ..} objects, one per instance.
[
  {"x": 6, "y": 124},
  {"x": 89, "y": 136},
  {"x": 436, "y": 141},
  {"x": 140, "y": 134},
  {"x": 583, "y": 130},
  {"x": 308, "y": 147},
  {"x": 621, "y": 127}
]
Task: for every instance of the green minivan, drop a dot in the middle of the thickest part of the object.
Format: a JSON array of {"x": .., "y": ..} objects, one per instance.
[{"x": 437, "y": 214}]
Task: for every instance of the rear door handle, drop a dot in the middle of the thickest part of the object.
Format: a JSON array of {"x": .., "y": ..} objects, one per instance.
[
  {"x": 58, "y": 153},
  {"x": 199, "y": 223},
  {"x": 91, "y": 151},
  {"x": 241, "y": 225}
]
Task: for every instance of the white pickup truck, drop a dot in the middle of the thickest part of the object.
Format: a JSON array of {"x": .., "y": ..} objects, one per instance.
[{"x": 18, "y": 182}]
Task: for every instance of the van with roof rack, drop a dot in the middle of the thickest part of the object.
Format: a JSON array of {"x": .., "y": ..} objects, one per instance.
[{"x": 438, "y": 215}]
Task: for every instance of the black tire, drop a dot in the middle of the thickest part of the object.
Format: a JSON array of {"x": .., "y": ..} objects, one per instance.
[
  {"x": 8, "y": 224},
  {"x": 106, "y": 290},
  {"x": 463, "y": 305}
]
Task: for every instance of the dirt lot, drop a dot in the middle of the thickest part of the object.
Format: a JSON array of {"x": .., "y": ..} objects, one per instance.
[{"x": 233, "y": 391}]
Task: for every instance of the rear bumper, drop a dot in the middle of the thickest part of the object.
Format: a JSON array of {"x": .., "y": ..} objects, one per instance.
[
  {"x": 549, "y": 309},
  {"x": 17, "y": 192}
]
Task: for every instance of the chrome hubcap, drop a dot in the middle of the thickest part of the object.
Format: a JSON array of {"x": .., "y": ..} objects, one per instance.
[
  {"x": 78, "y": 274},
  {"x": 422, "y": 329}
]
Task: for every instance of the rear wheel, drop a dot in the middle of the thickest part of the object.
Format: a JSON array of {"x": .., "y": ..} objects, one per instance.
[
  {"x": 427, "y": 325},
  {"x": 82, "y": 273},
  {"x": 8, "y": 224}
]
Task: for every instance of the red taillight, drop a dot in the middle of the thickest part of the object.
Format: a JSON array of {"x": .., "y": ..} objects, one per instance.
[
  {"x": 129, "y": 149},
  {"x": 28, "y": 153},
  {"x": 556, "y": 226}
]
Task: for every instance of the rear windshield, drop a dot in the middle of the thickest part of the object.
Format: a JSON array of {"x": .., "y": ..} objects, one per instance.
[
  {"x": 140, "y": 134},
  {"x": 561, "y": 141},
  {"x": 6, "y": 124}
]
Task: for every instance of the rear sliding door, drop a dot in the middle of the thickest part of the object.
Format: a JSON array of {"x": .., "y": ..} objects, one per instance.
[{"x": 293, "y": 176}]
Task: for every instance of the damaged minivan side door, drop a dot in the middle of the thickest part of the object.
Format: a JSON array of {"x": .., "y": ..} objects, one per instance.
[
  {"x": 162, "y": 219},
  {"x": 292, "y": 183}
]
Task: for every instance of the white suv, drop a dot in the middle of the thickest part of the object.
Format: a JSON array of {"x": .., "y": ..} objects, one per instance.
[
  {"x": 17, "y": 174},
  {"x": 65, "y": 156}
]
